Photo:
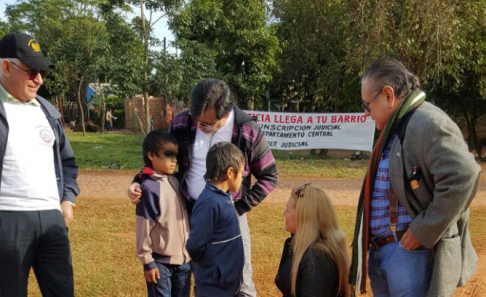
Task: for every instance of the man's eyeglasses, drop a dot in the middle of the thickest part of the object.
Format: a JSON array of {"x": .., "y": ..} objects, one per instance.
[
  {"x": 31, "y": 72},
  {"x": 205, "y": 124},
  {"x": 300, "y": 191},
  {"x": 366, "y": 106}
]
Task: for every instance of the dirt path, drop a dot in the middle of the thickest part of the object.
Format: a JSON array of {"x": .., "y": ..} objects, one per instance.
[
  {"x": 477, "y": 286},
  {"x": 113, "y": 184}
]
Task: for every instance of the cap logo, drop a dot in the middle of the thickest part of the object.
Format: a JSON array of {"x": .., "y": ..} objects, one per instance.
[{"x": 34, "y": 45}]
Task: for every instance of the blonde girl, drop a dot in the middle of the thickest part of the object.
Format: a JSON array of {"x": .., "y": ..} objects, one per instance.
[{"x": 315, "y": 260}]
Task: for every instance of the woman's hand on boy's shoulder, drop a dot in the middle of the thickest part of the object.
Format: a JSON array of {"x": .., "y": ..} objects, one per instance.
[{"x": 152, "y": 276}]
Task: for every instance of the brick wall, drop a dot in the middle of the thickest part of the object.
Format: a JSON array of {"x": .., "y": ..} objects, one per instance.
[{"x": 156, "y": 112}]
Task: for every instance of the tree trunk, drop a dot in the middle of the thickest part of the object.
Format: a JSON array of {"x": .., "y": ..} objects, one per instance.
[
  {"x": 472, "y": 137},
  {"x": 165, "y": 101},
  {"x": 474, "y": 134},
  {"x": 103, "y": 107},
  {"x": 323, "y": 153},
  {"x": 145, "y": 69},
  {"x": 140, "y": 122},
  {"x": 80, "y": 106},
  {"x": 251, "y": 103},
  {"x": 136, "y": 119},
  {"x": 62, "y": 111}
]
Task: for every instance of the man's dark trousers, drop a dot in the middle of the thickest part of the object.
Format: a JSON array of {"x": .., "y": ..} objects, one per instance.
[{"x": 37, "y": 239}]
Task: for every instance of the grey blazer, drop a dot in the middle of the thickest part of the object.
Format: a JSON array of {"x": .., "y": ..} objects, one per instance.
[{"x": 440, "y": 211}]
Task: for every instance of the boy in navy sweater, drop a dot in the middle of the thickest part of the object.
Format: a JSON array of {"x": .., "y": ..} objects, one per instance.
[
  {"x": 215, "y": 243},
  {"x": 162, "y": 222}
]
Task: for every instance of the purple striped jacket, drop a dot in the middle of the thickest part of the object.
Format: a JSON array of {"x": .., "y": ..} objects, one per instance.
[{"x": 247, "y": 136}]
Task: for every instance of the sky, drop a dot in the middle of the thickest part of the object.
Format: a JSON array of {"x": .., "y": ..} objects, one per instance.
[{"x": 161, "y": 28}]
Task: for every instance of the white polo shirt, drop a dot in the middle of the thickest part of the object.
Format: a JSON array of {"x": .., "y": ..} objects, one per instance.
[{"x": 28, "y": 176}]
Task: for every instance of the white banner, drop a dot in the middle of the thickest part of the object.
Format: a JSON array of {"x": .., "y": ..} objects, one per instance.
[{"x": 301, "y": 131}]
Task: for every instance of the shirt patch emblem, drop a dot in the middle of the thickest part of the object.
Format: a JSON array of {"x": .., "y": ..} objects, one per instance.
[{"x": 46, "y": 136}]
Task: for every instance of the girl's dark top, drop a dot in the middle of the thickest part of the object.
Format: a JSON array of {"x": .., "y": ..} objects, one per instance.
[{"x": 317, "y": 277}]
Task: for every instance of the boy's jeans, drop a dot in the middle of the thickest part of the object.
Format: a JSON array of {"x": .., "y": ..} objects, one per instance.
[
  {"x": 174, "y": 281},
  {"x": 397, "y": 272}
]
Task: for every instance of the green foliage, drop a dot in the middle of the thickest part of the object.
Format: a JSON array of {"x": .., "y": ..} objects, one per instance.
[
  {"x": 125, "y": 58},
  {"x": 443, "y": 42},
  {"x": 231, "y": 40},
  {"x": 327, "y": 44},
  {"x": 312, "y": 61},
  {"x": 71, "y": 34},
  {"x": 167, "y": 75},
  {"x": 312, "y": 52},
  {"x": 4, "y": 28},
  {"x": 86, "y": 43}
]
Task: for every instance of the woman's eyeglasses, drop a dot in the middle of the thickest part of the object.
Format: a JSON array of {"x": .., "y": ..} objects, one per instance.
[
  {"x": 31, "y": 72},
  {"x": 300, "y": 191}
]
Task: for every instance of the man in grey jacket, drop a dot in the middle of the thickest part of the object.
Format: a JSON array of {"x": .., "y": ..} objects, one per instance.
[
  {"x": 414, "y": 207},
  {"x": 37, "y": 177}
]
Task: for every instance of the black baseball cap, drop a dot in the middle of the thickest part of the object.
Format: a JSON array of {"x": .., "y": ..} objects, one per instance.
[{"x": 26, "y": 49}]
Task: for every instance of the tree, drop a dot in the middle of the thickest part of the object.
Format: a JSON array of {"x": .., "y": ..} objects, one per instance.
[
  {"x": 166, "y": 6},
  {"x": 443, "y": 42},
  {"x": 461, "y": 90},
  {"x": 327, "y": 44},
  {"x": 76, "y": 55},
  {"x": 71, "y": 32},
  {"x": 4, "y": 28},
  {"x": 312, "y": 61},
  {"x": 126, "y": 58},
  {"x": 166, "y": 80},
  {"x": 232, "y": 39}
]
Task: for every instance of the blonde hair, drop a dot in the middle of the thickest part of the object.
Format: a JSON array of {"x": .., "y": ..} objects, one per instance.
[{"x": 318, "y": 227}]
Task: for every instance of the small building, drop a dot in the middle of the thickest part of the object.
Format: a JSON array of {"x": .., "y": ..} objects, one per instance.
[{"x": 134, "y": 108}]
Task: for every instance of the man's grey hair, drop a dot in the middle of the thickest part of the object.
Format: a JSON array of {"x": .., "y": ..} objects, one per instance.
[
  {"x": 391, "y": 72},
  {"x": 15, "y": 60}
]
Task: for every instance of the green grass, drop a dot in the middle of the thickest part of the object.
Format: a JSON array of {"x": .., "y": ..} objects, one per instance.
[
  {"x": 107, "y": 151},
  {"x": 105, "y": 263},
  {"x": 124, "y": 151}
]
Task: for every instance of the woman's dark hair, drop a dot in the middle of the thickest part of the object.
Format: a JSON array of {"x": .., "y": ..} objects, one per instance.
[
  {"x": 221, "y": 157},
  {"x": 391, "y": 72},
  {"x": 211, "y": 93},
  {"x": 153, "y": 143}
]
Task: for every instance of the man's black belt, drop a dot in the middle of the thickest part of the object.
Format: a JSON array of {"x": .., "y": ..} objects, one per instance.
[{"x": 377, "y": 243}]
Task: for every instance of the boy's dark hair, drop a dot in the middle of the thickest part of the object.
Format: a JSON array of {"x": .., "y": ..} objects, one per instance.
[
  {"x": 211, "y": 93},
  {"x": 221, "y": 157},
  {"x": 153, "y": 143}
]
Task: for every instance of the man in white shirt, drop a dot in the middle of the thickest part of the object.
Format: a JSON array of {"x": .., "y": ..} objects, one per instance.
[{"x": 38, "y": 177}]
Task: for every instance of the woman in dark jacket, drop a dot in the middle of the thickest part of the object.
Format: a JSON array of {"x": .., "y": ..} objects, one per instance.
[{"x": 314, "y": 261}]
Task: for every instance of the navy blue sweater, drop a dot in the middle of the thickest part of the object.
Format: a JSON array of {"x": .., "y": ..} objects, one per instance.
[{"x": 215, "y": 244}]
